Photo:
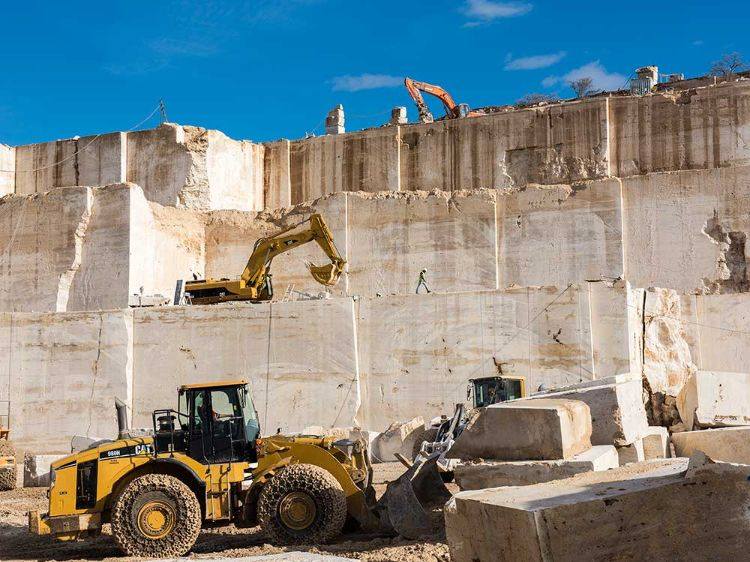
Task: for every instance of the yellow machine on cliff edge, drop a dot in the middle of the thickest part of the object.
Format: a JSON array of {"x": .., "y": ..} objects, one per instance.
[
  {"x": 205, "y": 465},
  {"x": 255, "y": 282}
]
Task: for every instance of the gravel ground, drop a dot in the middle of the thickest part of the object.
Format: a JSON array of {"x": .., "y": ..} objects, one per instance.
[{"x": 17, "y": 544}]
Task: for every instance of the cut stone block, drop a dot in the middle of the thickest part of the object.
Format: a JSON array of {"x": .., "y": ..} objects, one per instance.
[
  {"x": 36, "y": 469},
  {"x": 656, "y": 443},
  {"x": 398, "y": 438},
  {"x": 729, "y": 444},
  {"x": 632, "y": 452},
  {"x": 617, "y": 413},
  {"x": 663, "y": 508},
  {"x": 491, "y": 474},
  {"x": 544, "y": 429},
  {"x": 715, "y": 399}
]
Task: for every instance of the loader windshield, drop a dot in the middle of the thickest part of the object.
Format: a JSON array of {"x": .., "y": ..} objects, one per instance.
[{"x": 252, "y": 427}]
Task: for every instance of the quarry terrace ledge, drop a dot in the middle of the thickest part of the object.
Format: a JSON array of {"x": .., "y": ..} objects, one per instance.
[{"x": 559, "y": 143}]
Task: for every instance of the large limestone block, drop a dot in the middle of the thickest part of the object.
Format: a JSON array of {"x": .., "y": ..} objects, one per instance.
[
  {"x": 617, "y": 413},
  {"x": 398, "y": 438},
  {"x": 730, "y": 444},
  {"x": 492, "y": 474},
  {"x": 36, "y": 470},
  {"x": 660, "y": 508},
  {"x": 656, "y": 443},
  {"x": 543, "y": 429},
  {"x": 632, "y": 452},
  {"x": 715, "y": 399}
]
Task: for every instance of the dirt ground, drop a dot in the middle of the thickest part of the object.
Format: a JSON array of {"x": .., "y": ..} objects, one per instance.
[{"x": 17, "y": 544}]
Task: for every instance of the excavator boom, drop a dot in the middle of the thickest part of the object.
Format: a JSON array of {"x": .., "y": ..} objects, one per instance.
[
  {"x": 452, "y": 110},
  {"x": 255, "y": 282}
]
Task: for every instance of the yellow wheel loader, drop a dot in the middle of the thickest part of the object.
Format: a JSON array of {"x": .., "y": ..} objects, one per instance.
[
  {"x": 7, "y": 473},
  {"x": 7, "y": 462},
  {"x": 255, "y": 282},
  {"x": 206, "y": 465}
]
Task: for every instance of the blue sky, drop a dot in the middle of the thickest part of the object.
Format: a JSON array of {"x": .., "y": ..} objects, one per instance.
[{"x": 264, "y": 70}]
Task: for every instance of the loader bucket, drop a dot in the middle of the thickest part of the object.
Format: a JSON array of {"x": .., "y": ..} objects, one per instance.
[
  {"x": 325, "y": 274},
  {"x": 406, "y": 502}
]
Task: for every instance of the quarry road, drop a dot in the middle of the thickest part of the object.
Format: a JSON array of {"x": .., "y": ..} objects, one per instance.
[{"x": 17, "y": 544}]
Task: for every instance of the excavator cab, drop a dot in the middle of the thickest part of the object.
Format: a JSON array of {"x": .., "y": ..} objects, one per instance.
[
  {"x": 212, "y": 424},
  {"x": 492, "y": 390}
]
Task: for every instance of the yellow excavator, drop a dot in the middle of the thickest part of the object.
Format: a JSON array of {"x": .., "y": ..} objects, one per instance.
[
  {"x": 206, "y": 465},
  {"x": 255, "y": 282},
  {"x": 7, "y": 462}
]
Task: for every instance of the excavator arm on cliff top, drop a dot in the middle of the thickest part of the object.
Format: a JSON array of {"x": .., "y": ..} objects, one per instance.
[
  {"x": 452, "y": 110},
  {"x": 255, "y": 282}
]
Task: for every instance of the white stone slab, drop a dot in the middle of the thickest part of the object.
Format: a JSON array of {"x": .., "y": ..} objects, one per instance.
[
  {"x": 542, "y": 429},
  {"x": 492, "y": 474},
  {"x": 630, "y": 506},
  {"x": 715, "y": 399},
  {"x": 656, "y": 443},
  {"x": 617, "y": 413},
  {"x": 729, "y": 444}
]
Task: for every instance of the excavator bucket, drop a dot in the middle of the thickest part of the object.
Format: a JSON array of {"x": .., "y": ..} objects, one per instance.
[
  {"x": 325, "y": 274},
  {"x": 405, "y": 505}
]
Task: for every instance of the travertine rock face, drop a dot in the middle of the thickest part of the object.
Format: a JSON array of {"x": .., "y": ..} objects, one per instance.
[
  {"x": 543, "y": 429},
  {"x": 715, "y": 399},
  {"x": 667, "y": 361},
  {"x": 614, "y": 515},
  {"x": 475, "y": 475}
]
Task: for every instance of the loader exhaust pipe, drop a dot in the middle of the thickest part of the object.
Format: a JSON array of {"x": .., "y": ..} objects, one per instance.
[{"x": 122, "y": 418}]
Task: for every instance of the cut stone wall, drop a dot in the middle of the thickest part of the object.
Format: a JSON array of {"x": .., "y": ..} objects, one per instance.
[
  {"x": 361, "y": 362},
  {"x": 93, "y": 160},
  {"x": 83, "y": 248},
  {"x": 547, "y": 145},
  {"x": 64, "y": 372},
  {"x": 361, "y": 161},
  {"x": 691, "y": 129},
  {"x": 7, "y": 170}
]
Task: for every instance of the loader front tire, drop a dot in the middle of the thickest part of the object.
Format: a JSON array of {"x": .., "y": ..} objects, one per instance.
[
  {"x": 8, "y": 478},
  {"x": 157, "y": 516},
  {"x": 302, "y": 504}
]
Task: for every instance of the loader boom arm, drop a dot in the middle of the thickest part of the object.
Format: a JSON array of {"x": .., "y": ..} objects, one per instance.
[{"x": 266, "y": 249}]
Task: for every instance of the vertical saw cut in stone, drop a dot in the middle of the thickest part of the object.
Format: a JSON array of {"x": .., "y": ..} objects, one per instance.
[
  {"x": 729, "y": 444},
  {"x": 660, "y": 510},
  {"x": 475, "y": 475},
  {"x": 617, "y": 413},
  {"x": 715, "y": 399},
  {"x": 543, "y": 429}
]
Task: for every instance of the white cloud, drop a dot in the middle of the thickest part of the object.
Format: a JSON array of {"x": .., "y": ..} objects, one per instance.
[
  {"x": 488, "y": 10},
  {"x": 533, "y": 62},
  {"x": 350, "y": 83},
  {"x": 601, "y": 79}
]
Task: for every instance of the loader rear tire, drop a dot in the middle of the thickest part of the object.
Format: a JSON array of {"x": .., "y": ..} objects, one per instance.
[
  {"x": 157, "y": 516},
  {"x": 302, "y": 504},
  {"x": 8, "y": 478}
]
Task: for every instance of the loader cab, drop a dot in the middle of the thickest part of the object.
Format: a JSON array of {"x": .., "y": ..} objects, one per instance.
[
  {"x": 214, "y": 423},
  {"x": 492, "y": 390}
]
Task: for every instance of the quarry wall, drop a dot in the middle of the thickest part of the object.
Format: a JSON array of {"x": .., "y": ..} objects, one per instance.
[
  {"x": 382, "y": 358},
  {"x": 564, "y": 243}
]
